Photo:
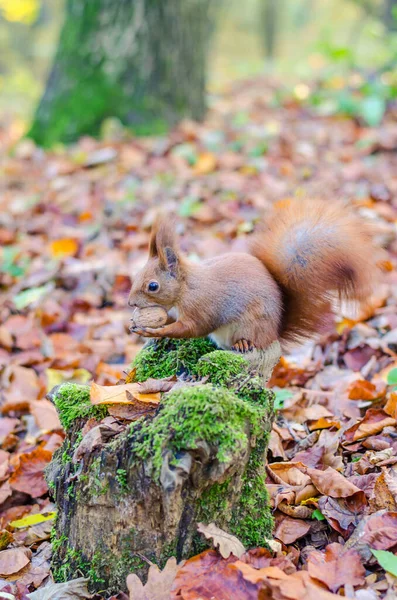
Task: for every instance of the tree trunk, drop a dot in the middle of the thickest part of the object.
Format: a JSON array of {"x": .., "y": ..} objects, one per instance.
[
  {"x": 142, "y": 61},
  {"x": 390, "y": 15},
  {"x": 269, "y": 20},
  {"x": 201, "y": 458}
]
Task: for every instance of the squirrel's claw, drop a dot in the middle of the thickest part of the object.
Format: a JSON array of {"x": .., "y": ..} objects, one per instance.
[
  {"x": 243, "y": 346},
  {"x": 147, "y": 331}
]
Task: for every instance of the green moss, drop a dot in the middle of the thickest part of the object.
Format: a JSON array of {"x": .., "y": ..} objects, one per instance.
[
  {"x": 213, "y": 500},
  {"x": 166, "y": 357},
  {"x": 252, "y": 391},
  {"x": 121, "y": 478},
  {"x": 192, "y": 414},
  {"x": 222, "y": 367},
  {"x": 168, "y": 550},
  {"x": 252, "y": 520},
  {"x": 72, "y": 401}
]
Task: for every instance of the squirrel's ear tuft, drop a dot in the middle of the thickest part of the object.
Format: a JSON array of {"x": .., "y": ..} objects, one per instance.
[
  {"x": 153, "y": 251},
  {"x": 162, "y": 236},
  {"x": 171, "y": 259}
]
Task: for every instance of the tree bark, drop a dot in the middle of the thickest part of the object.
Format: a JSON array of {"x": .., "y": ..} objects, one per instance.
[
  {"x": 142, "y": 61},
  {"x": 390, "y": 14},
  {"x": 269, "y": 19},
  {"x": 201, "y": 458}
]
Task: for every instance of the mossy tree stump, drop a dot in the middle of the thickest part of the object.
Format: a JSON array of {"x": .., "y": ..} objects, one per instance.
[{"x": 200, "y": 458}]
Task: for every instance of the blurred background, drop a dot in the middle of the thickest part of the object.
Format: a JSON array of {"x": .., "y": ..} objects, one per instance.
[{"x": 338, "y": 56}]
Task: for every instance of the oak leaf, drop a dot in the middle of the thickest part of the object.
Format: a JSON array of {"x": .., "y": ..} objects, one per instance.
[
  {"x": 158, "y": 585},
  {"x": 228, "y": 544},
  {"x": 75, "y": 589}
]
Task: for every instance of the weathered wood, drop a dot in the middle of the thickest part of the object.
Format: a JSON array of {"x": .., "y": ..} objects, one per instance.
[{"x": 138, "y": 496}]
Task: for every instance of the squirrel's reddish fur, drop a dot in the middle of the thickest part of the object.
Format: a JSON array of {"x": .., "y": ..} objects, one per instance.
[{"x": 307, "y": 254}]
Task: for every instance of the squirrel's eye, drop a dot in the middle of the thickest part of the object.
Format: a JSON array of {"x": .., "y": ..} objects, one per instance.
[{"x": 153, "y": 286}]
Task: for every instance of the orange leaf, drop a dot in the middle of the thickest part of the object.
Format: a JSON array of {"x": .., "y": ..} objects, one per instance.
[
  {"x": 29, "y": 475},
  {"x": 206, "y": 163},
  {"x": 391, "y": 405},
  {"x": 374, "y": 422},
  {"x": 63, "y": 247},
  {"x": 362, "y": 390},
  {"x": 121, "y": 394}
]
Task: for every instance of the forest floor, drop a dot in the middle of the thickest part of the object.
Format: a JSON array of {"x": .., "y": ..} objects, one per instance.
[{"x": 74, "y": 227}]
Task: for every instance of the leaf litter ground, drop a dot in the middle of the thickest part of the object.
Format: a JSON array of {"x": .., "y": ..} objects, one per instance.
[{"x": 74, "y": 226}]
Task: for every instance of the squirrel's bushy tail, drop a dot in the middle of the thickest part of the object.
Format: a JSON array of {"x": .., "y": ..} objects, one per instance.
[{"x": 316, "y": 252}]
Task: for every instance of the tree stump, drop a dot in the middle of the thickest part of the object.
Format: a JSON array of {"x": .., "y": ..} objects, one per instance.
[{"x": 138, "y": 496}]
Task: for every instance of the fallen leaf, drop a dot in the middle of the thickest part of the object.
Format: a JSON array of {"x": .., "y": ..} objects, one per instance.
[
  {"x": 63, "y": 247},
  {"x": 7, "y": 426},
  {"x": 226, "y": 543},
  {"x": 29, "y": 475},
  {"x": 380, "y": 531},
  {"x": 6, "y": 538},
  {"x": 152, "y": 386},
  {"x": 45, "y": 415},
  {"x": 331, "y": 483},
  {"x": 158, "y": 585},
  {"x": 290, "y": 530},
  {"x": 391, "y": 405},
  {"x": 374, "y": 422},
  {"x": 362, "y": 390},
  {"x": 336, "y": 567},
  {"x": 32, "y": 520},
  {"x": 342, "y": 513},
  {"x": 387, "y": 560},
  {"x": 384, "y": 495},
  {"x": 75, "y": 589},
  {"x": 127, "y": 393},
  {"x": 206, "y": 163},
  {"x": 208, "y": 576},
  {"x": 13, "y": 560}
]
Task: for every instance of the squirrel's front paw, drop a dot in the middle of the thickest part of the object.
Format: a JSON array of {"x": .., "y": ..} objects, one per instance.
[
  {"x": 147, "y": 331},
  {"x": 243, "y": 346}
]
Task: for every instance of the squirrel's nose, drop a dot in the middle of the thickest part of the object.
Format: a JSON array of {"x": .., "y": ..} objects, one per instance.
[{"x": 131, "y": 303}]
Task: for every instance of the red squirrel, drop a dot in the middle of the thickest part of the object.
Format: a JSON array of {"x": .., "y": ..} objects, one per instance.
[{"x": 307, "y": 254}]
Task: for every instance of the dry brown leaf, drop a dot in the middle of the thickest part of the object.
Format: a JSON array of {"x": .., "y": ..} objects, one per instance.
[
  {"x": 45, "y": 415},
  {"x": 383, "y": 497},
  {"x": 226, "y": 543},
  {"x": 152, "y": 386},
  {"x": 131, "y": 412},
  {"x": 374, "y": 422},
  {"x": 380, "y": 530},
  {"x": 277, "y": 585},
  {"x": 13, "y": 560},
  {"x": 208, "y": 576},
  {"x": 336, "y": 567},
  {"x": 158, "y": 585},
  {"x": 75, "y": 589},
  {"x": 391, "y": 405},
  {"x": 363, "y": 390},
  {"x": 290, "y": 530},
  {"x": 29, "y": 475},
  {"x": 343, "y": 513},
  {"x": 331, "y": 483},
  {"x": 127, "y": 393}
]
